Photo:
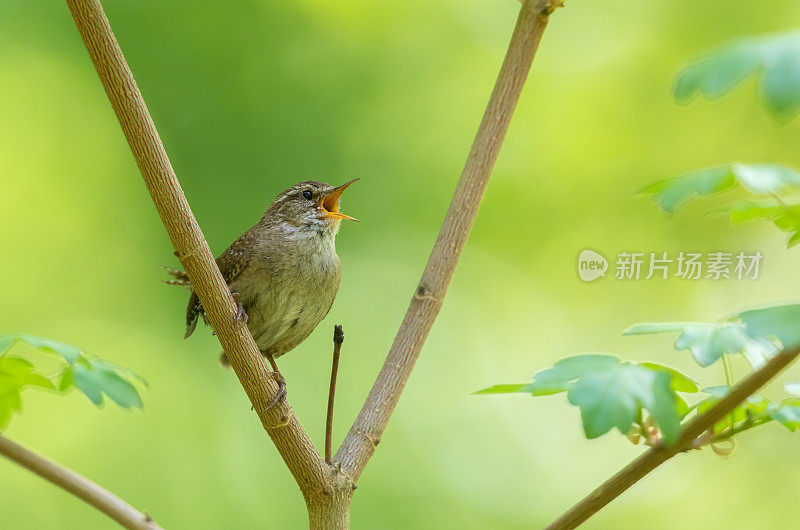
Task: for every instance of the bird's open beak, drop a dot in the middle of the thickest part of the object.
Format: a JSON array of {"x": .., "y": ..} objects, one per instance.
[{"x": 330, "y": 203}]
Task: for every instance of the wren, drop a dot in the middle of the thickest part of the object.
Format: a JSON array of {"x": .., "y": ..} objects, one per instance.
[{"x": 283, "y": 272}]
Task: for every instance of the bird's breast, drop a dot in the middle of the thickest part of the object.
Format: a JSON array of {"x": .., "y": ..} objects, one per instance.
[{"x": 288, "y": 293}]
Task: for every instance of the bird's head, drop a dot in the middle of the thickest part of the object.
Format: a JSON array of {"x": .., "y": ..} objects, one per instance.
[{"x": 310, "y": 206}]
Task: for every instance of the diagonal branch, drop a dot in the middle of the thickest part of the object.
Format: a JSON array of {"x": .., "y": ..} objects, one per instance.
[
  {"x": 191, "y": 248},
  {"x": 636, "y": 470},
  {"x": 365, "y": 434},
  {"x": 78, "y": 485}
]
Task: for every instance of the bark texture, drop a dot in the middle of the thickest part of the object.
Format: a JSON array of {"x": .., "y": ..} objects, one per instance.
[
  {"x": 280, "y": 422},
  {"x": 366, "y": 432}
]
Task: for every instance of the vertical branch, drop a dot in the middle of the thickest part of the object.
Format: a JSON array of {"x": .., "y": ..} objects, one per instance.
[
  {"x": 338, "y": 339},
  {"x": 291, "y": 440},
  {"x": 366, "y": 432}
]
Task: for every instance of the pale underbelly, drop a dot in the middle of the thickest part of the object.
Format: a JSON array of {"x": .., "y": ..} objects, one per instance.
[{"x": 278, "y": 328}]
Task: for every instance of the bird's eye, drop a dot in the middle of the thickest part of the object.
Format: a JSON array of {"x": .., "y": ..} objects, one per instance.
[{"x": 308, "y": 195}]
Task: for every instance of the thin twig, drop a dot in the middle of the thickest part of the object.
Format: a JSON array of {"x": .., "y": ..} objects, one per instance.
[
  {"x": 728, "y": 369},
  {"x": 338, "y": 339},
  {"x": 191, "y": 248},
  {"x": 359, "y": 444},
  {"x": 78, "y": 485},
  {"x": 697, "y": 426}
]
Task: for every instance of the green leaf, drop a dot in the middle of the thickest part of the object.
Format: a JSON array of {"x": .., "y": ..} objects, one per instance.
[
  {"x": 717, "y": 391},
  {"x": 611, "y": 393},
  {"x": 34, "y": 379},
  {"x": 664, "y": 406},
  {"x": 683, "y": 408},
  {"x": 5, "y": 415},
  {"x": 785, "y": 216},
  {"x": 15, "y": 375},
  {"x": 708, "y": 342},
  {"x": 757, "y": 178},
  {"x": 792, "y": 387},
  {"x": 10, "y": 400},
  {"x": 6, "y": 341},
  {"x": 776, "y": 59},
  {"x": 756, "y": 404},
  {"x": 613, "y": 397},
  {"x": 503, "y": 389},
  {"x": 21, "y": 373},
  {"x": 671, "y": 192},
  {"x": 66, "y": 382},
  {"x": 778, "y": 321},
  {"x": 556, "y": 379},
  {"x": 15, "y": 365},
  {"x": 782, "y": 80},
  {"x": 679, "y": 381},
  {"x": 104, "y": 378},
  {"x": 746, "y": 210},
  {"x": 765, "y": 178},
  {"x": 127, "y": 373},
  {"x": 716, "y": 74},
  {"x": 649, "y": 328},
  {"x": 787, "y": 415},
  {"x": 69, "y": 352},
  {"x": 95, "y": 377},
  {"x": 752, "y": 407}
]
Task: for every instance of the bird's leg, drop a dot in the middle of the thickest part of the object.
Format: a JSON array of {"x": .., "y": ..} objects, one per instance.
[
  {"x": 276, "y": 374},
  {"x": 241, "y": 315}
]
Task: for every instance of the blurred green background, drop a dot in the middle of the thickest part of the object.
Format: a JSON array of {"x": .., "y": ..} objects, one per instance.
[{"x": 252, "y": 97}]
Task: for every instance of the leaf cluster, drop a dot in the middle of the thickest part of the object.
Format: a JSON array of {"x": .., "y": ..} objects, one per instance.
[
  {"x": 765, "y": 182},
  {"x": 753, "y": 412},
  {"x": 92, "y": 376},
  {"x": 648, "y": 398},
  {"x": 612, "y": 393},
  {"x": 645, "y": 398},
  {"x": 774, "y": 60}
]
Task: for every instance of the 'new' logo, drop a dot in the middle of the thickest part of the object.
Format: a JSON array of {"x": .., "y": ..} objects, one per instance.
[{"x": 591, "y": 265}]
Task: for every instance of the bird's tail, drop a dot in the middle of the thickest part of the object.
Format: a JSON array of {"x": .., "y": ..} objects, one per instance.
[
  {"x": 194, "y": 310},
  {"x": 180, "y": 278}
]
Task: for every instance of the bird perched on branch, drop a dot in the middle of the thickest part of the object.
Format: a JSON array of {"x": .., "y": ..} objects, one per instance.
[{"x": 284, "y": 272}]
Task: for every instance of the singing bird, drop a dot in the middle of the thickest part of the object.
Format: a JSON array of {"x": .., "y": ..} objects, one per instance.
[{"x": 283, "y": 272}]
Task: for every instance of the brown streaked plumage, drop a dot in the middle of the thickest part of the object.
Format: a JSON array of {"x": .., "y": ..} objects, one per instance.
[{"x": 284, "y": 271}]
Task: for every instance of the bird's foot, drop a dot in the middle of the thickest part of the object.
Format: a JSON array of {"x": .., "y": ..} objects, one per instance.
[
  {"x": 280, "y": 397},
  {"x": 241, "y": 314}
]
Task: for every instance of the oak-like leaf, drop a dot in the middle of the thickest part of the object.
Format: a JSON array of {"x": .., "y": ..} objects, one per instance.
[
  {"x": 781, "y": 322},
  {"x": 102, "y": 377},
  {"x": 759, "y": 179},
  {"x": 774, "y": 59},
  {"x": 785, "y": 216},
  {"x": 708, "y": 342},
  {"x": 612, "y": 394}
]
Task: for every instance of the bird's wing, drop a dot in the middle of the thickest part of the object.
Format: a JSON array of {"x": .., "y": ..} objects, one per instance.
[
  {"x": 236, "y": 257},
  {"x": 230, "y": 263}
]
